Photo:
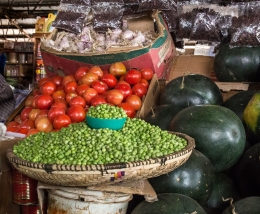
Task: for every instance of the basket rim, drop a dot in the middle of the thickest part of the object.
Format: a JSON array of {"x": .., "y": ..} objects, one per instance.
[{"x": 49, "y": 168}]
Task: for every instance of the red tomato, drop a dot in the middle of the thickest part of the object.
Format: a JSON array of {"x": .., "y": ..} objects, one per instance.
[
  {"x": 122, "y": 82},
  {"x": 22, "y": 130},
  {"x": 67, "y": 79},
  {"x": 80, "y": 72},
  {"x": 122, "y": 78},
  {"x": 60, "y": 100},
  {"x": 147, "y": 73},
  {"x": 60, "y": 105},
  {"x": 70, "y": 87},
  {"x": 28, "y": 101},
  {"x": 110, "y": 80},
  {"x": 76, "y": 113},
  {"x": 60, "y": 88},
  {"x": 25, "y": 113},
  {"x": 33, "y": 104},
  {"x": 32, "y": 131},
  {"x": 59, "y": 94},
  {"x": 48, "y": 87},
  {"x": 78, "y": 100},
  {"x": 89, "y": 94},
  {"x": 125, "y": 89},
  {"x": 36, "y": 92},
  {"x": 145, "y": 83},
  {"x": 43, "y": 124},
  {"x": 29, "y": 124},
  {"x": 12, "y": 124},
  {"x": 33, "y": 113},
  {"x": 42, "y": 113},
  {"x": 97, "y": 100},
  {"x": 18, "y": 119},
  {"x": 134, "y": 101},
  {"x": 61, "y": 121},
  {"x": 12, "y": 129},
  {"x": 57, "y": 80},
  {"x": 70, "y": 95},
  {"x": 82, "y": 88},
  {"x": 118, "y": 69},
  {"x": 139, "y": 89},
  {"x": 88, "y": 78},
  {"x": 44, "y": 101},
  {"x": 99, "y": 86},
  {"x": 129, "y": 110},
  {"x": 115, "y": 96},
  {"x": 43, "y": 80},
  {"x": 133, "y": 77},
  {"x": 96, "y": 70},
  {"x": 55, "y": 111}
]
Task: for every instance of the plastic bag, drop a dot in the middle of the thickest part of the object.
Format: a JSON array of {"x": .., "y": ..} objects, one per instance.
[
  {"x": 170, "y": 17},
  {"x": 107, "y": 15},
  {"x": 245, "y": 31},
  {"x": 205, "y": 26},
  {"x": 131, "y": 9},
  {"x": 69, "y": 21},
  {"x": 145, "y": 5}
]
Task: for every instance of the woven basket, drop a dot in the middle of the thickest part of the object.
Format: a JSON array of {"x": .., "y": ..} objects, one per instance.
[{"x": 90, "y": 175}]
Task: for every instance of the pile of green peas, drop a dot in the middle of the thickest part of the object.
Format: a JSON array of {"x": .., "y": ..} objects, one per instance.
[
  {"x": 106, "y": 111},
  {"x": 81, "y": 145}
]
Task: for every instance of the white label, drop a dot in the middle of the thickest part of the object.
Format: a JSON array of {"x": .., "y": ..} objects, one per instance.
[{"x": 204, "y": 50}]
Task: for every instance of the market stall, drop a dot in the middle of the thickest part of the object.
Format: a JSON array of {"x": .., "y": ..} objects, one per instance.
[{"x": 151, "y": 109}]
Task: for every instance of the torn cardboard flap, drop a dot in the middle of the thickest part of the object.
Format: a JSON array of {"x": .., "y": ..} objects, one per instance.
[{"x": 140, "y": 187}]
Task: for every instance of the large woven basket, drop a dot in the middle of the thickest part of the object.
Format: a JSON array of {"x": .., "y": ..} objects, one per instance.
[{"x": 90, "y": 175}]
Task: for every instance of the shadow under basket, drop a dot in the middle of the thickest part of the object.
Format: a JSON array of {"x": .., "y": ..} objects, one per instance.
[{"x": 90, "y": 175}]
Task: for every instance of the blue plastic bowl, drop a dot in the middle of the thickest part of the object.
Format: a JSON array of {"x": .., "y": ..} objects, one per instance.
[{"x": 98, "y": 123}]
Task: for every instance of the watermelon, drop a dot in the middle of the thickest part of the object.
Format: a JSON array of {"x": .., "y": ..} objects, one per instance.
[
  {"x": 162, "y": 115},
  {"x": 248, "y": 205},
  {"x": 218, "y": 132},
  {"x": 247, "y": 172},
  {"x": 238, "y": 64},
  {"x": 194, "y": 179},
  {"x": 170, "y": 203},
  {"x": 223, "y": 187},
  {"x": 238, "y": 102},
  {"x": 189, "y": 90}
]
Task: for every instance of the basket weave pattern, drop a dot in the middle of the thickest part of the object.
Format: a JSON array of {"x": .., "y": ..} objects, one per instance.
[{"x": 90, "y": 175}]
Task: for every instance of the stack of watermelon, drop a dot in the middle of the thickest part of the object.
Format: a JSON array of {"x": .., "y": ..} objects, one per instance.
[{"x": 222, "y": 174}]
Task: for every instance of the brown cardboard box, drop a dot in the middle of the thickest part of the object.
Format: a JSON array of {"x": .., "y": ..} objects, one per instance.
[
  {"x": 185, "y": 64},
  {"x": 6, "y": 204}
]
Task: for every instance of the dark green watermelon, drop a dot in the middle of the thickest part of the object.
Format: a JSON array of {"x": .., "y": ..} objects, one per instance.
[
  {"x": 237, "y": 64},
  {"x": 162, "y": 115},
  {"x": 218, "y": 132},
  {"x": 247, "y": 172},
  {"x": 238, "y": 102},
  {"x": 223, "y": 187},
  {"x": 249, "y": 205},
  {"x": 194, "y": 179},
  {"x": 189, "y": 90},
  {"x": 170, "y": 203}
]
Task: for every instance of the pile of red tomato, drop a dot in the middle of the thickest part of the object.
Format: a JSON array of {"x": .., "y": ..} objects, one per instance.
[{"x": 60, "y": 101}]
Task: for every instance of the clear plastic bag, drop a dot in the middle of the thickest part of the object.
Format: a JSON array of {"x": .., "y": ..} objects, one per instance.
[
  {"x": 170, "y": 17},
  {"x": 245, "y": 31},
  {"x": 205, "y": 26},
  {"x": 145, "y": 5},
  {"x": 131, "y": 9},
  {"x": 69, "y": 21},
  {"x": 107, "y": 15}
]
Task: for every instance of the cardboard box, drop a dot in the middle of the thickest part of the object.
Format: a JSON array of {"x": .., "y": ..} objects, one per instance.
[
  {"x": 156, "y": 56},
  {"x": 6, "y": 201}
]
